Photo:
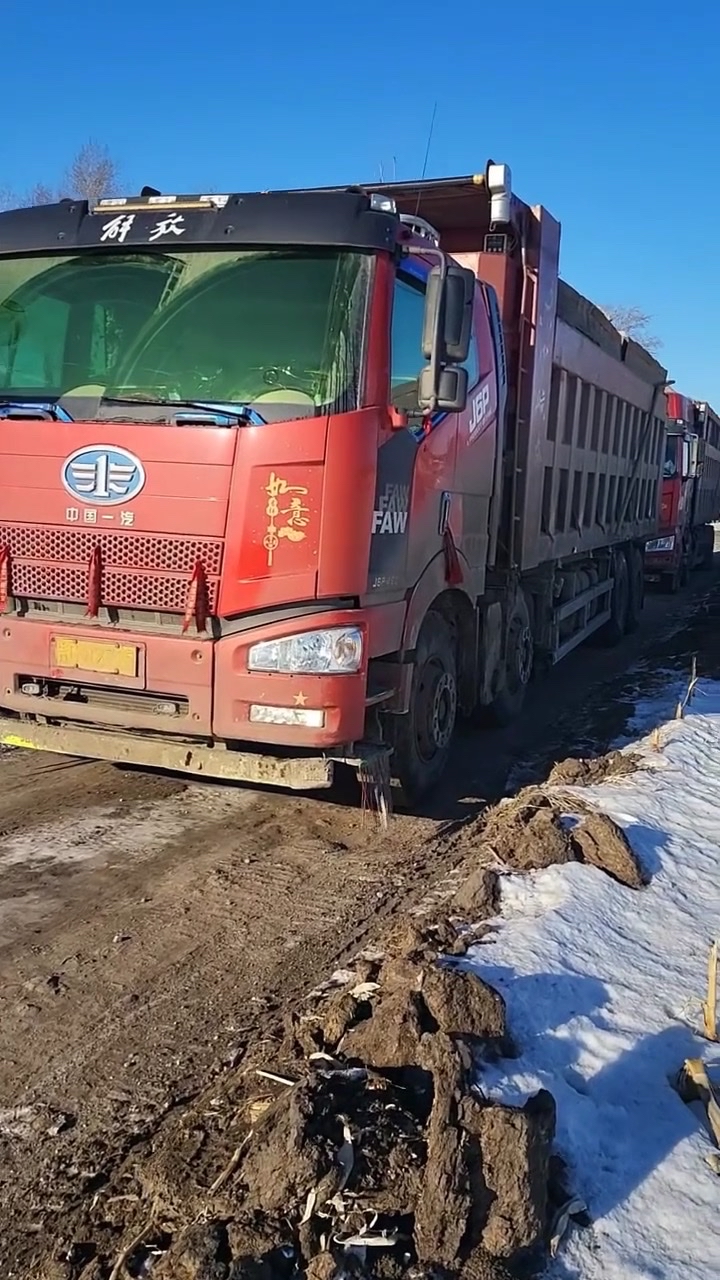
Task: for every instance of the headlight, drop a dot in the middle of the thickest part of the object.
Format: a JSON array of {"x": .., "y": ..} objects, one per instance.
[
  {"x": 661, "y": 544},
  {"x": 336, "y": 651}
]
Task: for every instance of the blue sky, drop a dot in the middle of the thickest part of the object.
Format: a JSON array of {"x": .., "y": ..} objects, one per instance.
[{"x": 606, "y": 114}]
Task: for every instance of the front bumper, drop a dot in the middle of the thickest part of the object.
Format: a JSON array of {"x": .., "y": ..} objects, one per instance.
[
  {"x": 300, "y": 773},
  {"x": 207, "y": 682}
]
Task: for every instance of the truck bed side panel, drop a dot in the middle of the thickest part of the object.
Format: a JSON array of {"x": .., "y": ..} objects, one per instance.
[
  {"x": 590, "y": 462},
  {"x": 586, "y": 412},
  {"x": 707, "y": 502}
]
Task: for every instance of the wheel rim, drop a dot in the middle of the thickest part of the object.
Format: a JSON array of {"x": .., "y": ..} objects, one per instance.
[
  {"x": 436, "y": 709},
  {"x": 520, "y": 657}
]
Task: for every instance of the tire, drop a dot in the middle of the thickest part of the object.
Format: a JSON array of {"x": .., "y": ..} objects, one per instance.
[
  {"x": 421, "y": 740},
  {"x": 636, "y": 587},
  {"x": 519, "y": 659},
  {"x": 614, "y": 630},
  {"x": 708, "y": 555}
]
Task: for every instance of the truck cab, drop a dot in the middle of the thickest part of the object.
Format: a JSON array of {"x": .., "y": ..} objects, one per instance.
[
  {"x": 672, "y": 554},
  {"x": 236, "y": 436}
]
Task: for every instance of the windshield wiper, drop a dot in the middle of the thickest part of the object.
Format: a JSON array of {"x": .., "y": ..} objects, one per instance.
[
  {"x": 29, "y": 410},
  {"x": 213, "y": 409}
]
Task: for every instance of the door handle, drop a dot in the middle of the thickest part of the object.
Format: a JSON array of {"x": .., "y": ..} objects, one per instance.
[{"x": 444, "y": 521}]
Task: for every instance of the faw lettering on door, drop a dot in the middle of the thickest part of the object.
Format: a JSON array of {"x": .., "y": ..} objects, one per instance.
[
  {"x": 480, "y": 410},
  {"x": 391, "y": 513}
]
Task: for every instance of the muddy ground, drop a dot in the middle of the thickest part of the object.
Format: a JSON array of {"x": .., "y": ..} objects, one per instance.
[{"x": 154, "y": 938}]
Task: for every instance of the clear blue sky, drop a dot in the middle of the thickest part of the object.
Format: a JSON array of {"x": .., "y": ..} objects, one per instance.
[{"x": 608, "y": 114}]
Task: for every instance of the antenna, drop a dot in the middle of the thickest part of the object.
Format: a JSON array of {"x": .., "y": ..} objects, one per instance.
[{"x": 427, "y": 153}]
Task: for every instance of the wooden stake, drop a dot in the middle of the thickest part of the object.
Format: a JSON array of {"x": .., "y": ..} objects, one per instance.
[
  {"x": 693, "y": 1084},
  {"x": 710, "y": 1006}
]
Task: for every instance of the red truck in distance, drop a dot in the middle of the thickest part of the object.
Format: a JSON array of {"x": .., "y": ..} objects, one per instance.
[
  {"x": 295, "y": 480},
  {"x": 690, "y": 500}
]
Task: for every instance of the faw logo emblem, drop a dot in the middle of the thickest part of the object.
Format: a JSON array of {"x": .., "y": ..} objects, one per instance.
[
  {"x": 391, "y": 513},
  {"x": 103, "y": 474}
]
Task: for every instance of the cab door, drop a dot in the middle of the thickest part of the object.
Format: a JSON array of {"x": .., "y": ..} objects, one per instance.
[
  {"x": 476, "y": 456},
  {"x": 416, "y": 464},
  {"x": 438, "y": 475}
]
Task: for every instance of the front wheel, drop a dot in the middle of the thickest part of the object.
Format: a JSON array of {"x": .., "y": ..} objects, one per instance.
[{"x": 421, "y": 739}]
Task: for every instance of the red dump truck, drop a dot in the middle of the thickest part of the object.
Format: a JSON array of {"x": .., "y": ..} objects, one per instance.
[
  {"x": 291, "y": 480},
  {"x": 690, "y": 499}
]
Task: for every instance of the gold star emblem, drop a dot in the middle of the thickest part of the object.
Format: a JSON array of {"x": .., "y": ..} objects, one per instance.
[{"x": 300, "y": 699}]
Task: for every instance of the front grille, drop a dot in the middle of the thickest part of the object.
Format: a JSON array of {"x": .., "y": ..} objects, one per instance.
[
  {"x": 138, "y": 570},
  {"x": 121, "y": 550}
]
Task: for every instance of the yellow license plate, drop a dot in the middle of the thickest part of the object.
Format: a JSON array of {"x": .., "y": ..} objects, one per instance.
[{"x": 100, "y": 656}]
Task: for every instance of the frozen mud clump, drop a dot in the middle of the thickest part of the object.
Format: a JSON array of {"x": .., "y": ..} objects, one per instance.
[
  {"x": 511, "y": 1173},
  {"x": 527, "y": 833},
  {"x": 478, "y": 897},
  {"x": 202, "y": 1253},
  {"x": 461, "y": 1004},
  {"x": 588, "y": 772},
  {"x": 532, "y": 832},
  {"x": 602, "y": 843}
]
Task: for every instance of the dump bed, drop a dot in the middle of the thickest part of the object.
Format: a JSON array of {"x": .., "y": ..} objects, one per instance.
[
  {"x": 707, "y": 497},
  {"x": 586, "y": 410}
]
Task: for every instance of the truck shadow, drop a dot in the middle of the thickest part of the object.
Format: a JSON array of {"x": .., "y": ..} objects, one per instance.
[
  {"x": 618, "y": 1123},
  {"x": 565, "y": 718}
]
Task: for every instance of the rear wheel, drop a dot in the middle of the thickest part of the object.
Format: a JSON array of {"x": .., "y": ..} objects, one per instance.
[
  {"x": 614, "y": 630},
  {"x": 422, "y": 738},
  {"x": 708, "y": 551},
  {"x": 519, "y": 657},
  {"x": 673, "y": 582}
]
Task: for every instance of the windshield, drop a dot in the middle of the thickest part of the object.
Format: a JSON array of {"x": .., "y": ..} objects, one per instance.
[{"x": 276, "y": 328}]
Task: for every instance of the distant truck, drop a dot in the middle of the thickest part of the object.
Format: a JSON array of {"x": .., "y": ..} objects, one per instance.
[
  {"x": 298, "y": 479},
  {"x": 690, "y": 499}
]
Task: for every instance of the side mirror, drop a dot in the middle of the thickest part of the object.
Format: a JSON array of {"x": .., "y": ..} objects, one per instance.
[
  {"x": 444, "y": 392},
  {"x": 447, "y": 326},
  {"x": 690, "y": 457}
]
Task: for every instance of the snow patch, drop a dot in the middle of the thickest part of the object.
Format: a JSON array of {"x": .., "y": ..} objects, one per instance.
[{"x": 602, "y": 985}]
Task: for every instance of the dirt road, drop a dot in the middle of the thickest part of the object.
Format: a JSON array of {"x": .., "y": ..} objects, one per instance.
[{"x": 150, "y": 930}]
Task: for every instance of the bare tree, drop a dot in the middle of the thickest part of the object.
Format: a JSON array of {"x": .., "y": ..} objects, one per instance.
[
  {"x": 92, "y": 174},
  {"x": 40, "y": 193},
  {"x": 634, "y": 323}
]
